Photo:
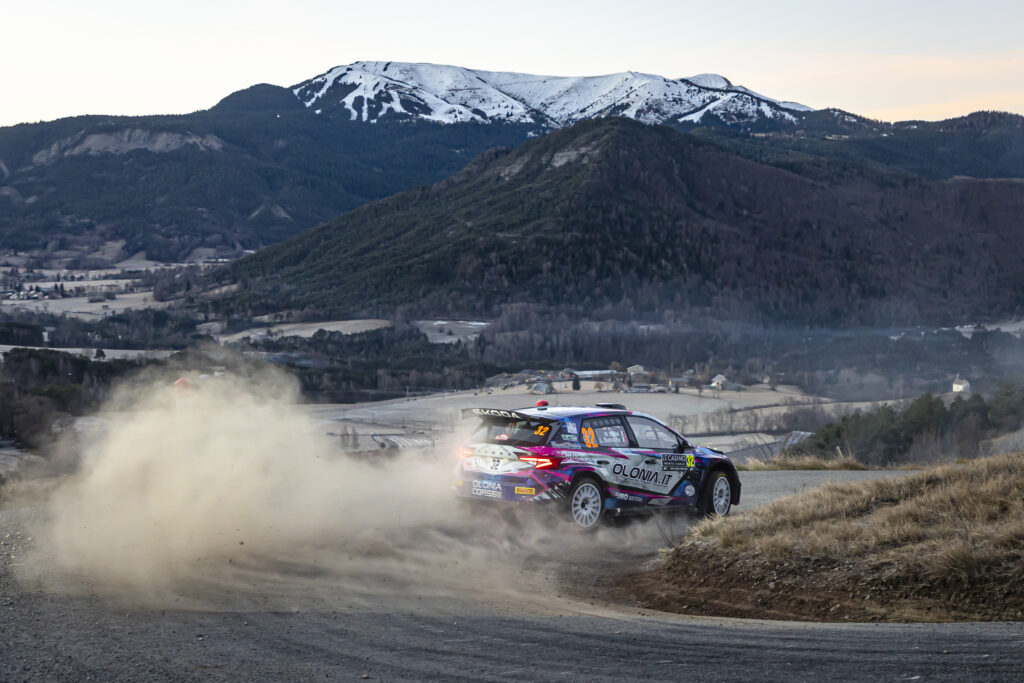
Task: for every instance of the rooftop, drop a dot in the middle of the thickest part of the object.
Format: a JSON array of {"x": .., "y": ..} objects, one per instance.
[{"x": 571, "y": 411}]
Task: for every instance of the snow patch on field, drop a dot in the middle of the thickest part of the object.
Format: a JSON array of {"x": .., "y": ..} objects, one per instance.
[
  {"x": 451, "y": 331},
  {"x": 81, "y": 307},
  {"x": 308, "y": 329}
]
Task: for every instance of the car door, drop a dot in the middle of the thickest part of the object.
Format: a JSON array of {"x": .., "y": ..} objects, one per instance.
[
  {"x": 608, "y": 435},
  {"x": 631, "y": 467},
  {"x": 654, "y": 441}
]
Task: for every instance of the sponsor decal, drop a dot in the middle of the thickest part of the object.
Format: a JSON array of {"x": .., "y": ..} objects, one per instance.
[
  {"x": 678, "y": 461},
  {"x": 570, "y": 427},
  {"x": 690, "y": 491},
  {"x": 629, "y": 497},
  {"x": 498, "y": 412},
  {"x": 525, "y": 490},
  {"x": 501, "y": 437},
  {"x": 641, "y": 474},
  {"x": 488, "y": 489},
  {"x": 577, "y": 456},
  {"x": 493, "y": 412}
]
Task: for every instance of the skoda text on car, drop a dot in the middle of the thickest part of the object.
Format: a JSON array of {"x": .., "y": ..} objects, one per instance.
[{"x": 598, "y": 462}]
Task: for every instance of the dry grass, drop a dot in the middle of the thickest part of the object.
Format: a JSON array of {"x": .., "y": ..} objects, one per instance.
[
  {"x": 801, "y": 462},
  {"x": 945, "y": 543}
]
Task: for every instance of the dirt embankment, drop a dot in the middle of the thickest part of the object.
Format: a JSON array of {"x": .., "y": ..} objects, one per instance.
[{"x": 946, "y": 544}]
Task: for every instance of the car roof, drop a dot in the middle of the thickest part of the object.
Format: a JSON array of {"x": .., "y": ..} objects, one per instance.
[{"x": 572, "y": 411}]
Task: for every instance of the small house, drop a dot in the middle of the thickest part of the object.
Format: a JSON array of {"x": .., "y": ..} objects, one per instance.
[{"x": 637, "y": 374}]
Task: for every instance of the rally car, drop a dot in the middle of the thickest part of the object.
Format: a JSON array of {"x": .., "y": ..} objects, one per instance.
[{"x": 597, "y": 462}]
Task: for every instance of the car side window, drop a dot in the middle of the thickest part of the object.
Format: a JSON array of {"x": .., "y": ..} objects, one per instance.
[
  {"x": 650, "y": 434},
  {"x": 604, "y": 431}
]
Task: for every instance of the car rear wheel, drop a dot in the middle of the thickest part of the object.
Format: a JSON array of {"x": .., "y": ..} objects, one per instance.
[
  {"x": 586, "y": 503},
  {"x": 716, "y": 499}
]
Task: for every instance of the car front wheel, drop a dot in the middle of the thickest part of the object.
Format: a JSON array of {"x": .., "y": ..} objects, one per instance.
[
  {"x": 586, "y": 503},
  {"x": 716, "y": 499}
]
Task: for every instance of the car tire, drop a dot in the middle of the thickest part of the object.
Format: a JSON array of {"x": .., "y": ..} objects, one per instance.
[
  {"x": 586, "y": 503},
  {"x": 716, "y": 498}
]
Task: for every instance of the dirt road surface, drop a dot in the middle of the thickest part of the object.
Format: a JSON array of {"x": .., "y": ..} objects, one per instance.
[{"x": 482, "y": 597}]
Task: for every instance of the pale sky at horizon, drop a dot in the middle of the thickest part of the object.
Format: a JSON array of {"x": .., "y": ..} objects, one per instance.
[{"x": 886, "y": 60}]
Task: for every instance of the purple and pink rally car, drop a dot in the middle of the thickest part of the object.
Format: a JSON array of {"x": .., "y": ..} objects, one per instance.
[{"x": 598, "y": 462}]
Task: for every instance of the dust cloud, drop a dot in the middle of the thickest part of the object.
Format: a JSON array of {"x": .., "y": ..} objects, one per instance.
[
  {"x": 221, "y": 469},
  {"x": 225, "y": 493}
]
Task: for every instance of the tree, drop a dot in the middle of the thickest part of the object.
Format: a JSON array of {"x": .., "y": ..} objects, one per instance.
[{"x": 1007, "y": 406}]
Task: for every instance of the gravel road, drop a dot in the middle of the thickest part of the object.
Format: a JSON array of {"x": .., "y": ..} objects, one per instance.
[{"x": 533, "y": 609}]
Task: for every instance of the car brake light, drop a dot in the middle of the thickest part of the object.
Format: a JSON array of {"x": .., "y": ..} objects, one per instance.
[
  {"x": 465, "y": 452},
  {"x": 541, "y": 462}
]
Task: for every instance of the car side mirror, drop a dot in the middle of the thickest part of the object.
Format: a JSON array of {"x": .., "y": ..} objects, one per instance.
[{"x": 682, "y": 446}]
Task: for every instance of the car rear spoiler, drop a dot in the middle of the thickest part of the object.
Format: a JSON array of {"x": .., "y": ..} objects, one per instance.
[{"x": 502, "y": 414}]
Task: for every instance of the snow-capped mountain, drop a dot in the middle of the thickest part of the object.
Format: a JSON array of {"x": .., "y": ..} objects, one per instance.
[{"x": 371, "y": 91}]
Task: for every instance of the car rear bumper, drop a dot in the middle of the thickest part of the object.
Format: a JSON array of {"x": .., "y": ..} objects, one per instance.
[{"x": 532, "y": 486}]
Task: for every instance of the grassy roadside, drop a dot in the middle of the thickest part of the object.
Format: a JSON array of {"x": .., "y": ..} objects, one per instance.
[
  {"x": 943, "y": 544},
  {"x": 800, "y": 462}
]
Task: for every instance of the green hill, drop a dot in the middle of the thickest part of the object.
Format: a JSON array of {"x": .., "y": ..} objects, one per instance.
[
  {"x": 981, "y": 145},
  {"x": 253, "y": 170},
  {"x": 259, "y": 167},
  {"x": 614, "y": 219}
]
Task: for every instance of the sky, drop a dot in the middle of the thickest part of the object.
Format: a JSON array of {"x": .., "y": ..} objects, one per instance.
[{"x": 892, "y": 60}]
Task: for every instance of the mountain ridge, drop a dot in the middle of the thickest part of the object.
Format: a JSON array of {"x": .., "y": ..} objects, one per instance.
[
  {"x": 372, "y": 91},
  {"x": 260, "y": 166},
  {"x": 610, "y": 217}
]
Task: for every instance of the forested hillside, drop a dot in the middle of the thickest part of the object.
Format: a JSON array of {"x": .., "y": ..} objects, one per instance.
[
  {"x": 252, "y": 171},
  {"x": 615, "y": 219},
  {"x": 984, "y": 144},
  {"x": 260, "y": 167}
]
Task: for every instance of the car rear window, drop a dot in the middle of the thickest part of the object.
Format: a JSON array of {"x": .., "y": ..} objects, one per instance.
[{"x": 515, "y": 432}]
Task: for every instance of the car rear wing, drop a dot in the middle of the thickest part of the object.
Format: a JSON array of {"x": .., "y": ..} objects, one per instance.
[{"x": 498, "y": 414}]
